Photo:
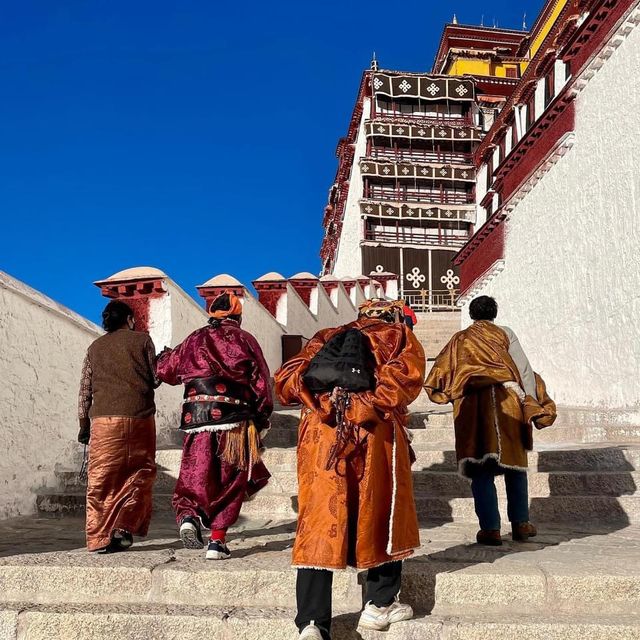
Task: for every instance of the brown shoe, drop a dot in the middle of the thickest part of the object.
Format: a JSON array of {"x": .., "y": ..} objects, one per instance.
[
  {"x": 489, "y": 537},
  {"x": 522, "y": 531}
]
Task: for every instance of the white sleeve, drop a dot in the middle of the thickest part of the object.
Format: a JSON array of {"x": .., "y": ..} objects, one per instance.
[{"x": 522, "y": 362}]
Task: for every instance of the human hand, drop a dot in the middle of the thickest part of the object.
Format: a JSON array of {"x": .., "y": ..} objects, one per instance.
[{"x": 84, "y": 434}]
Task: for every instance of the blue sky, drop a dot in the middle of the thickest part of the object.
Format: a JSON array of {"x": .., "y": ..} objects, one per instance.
[{"x": 194, "y": 136}]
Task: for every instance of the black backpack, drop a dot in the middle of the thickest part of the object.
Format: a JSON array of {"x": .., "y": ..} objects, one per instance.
[{"x": 344, "y": 361}]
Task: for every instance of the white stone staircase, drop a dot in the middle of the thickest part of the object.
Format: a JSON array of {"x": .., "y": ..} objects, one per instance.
[{"x": 579, "y": 579}]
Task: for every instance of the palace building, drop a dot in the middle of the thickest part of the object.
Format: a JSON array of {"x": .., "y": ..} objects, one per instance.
[
  {"x": 509, "y": 170},
  {"x": 404, "y": 197}
]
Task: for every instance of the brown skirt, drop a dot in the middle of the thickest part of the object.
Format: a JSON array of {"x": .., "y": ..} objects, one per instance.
[{"x": 122, "y": 470}]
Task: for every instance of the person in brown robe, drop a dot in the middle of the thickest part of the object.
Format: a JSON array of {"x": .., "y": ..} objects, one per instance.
[
  {"x": 496, "y": 400},
  {"x": 116, "y": 411},
  {"x": 356, "y": 503}
]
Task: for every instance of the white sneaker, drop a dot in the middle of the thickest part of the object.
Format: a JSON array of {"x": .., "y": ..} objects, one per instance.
[
  {"x": 379, "y": 618},
  {"x": 310, "y": 632}
]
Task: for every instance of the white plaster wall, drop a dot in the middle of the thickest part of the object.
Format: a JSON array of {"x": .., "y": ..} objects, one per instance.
[
  {"x": 349, "y": 256},
  {"x": 539, "y": 98},
  {"x": 508, "y": 138},
  {"x": 481, "y": 192},
  {"x": 345, "y": 307},
  {"x": 571, "y": 283},
  {"x": 260, "y": 323},
  {"x": 42, "y": 347},
  {"x": 559, "y": 76},
  {"x": 327, "y": 314},
  {"x": 392, "y": 289},
  {"x": 520, "y": 119},
  {"x": 187, "y": 315},
  {"x": 301, "y": 321},
  {"x": 496, "y": 157},
  {"x": 171, "y": 319},
  {"x": 160, "y": 324}
]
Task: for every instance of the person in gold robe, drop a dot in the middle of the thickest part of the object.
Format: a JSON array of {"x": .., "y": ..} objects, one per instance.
[
  {"x": 116, "y": 411},
  {"x": 356, "y": 503},
  {"x": 496, "y": 399}
]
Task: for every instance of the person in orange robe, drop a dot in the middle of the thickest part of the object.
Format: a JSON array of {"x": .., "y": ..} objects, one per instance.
[{"x": 357, "y": 510}]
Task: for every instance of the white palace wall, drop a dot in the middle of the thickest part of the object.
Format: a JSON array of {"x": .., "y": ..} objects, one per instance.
[
  {"x": 349, "y": 256},
  {"x": 42, "y": 346},
  {"x": 570, "y": 287}
]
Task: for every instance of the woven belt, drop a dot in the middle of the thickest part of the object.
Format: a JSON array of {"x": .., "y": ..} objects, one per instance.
[{"x": 207, "y": 398}]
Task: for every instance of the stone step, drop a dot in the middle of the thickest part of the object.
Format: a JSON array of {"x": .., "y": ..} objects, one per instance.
[
  {"x": 562, "y": 570},
  {"x": 447, "y": 483},
  {"x": 431, "y": 509},
  {"x": 587, "y": 457},
  {"x": 569, "y": 509},
  {"x": 572, "y": 434},
  {"x": 160, "y": 622},
  {"x": 595, "y": 457}
]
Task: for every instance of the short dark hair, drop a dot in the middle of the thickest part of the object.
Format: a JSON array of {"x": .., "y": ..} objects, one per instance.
[
  {"x": 483, "y": 308},
  {"x": 221, "y": 303},
  {"x": 115, "y": 315}
]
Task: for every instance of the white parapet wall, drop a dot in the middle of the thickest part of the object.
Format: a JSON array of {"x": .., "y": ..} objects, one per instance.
[
  {"x": 181, "y": 315},
  {"x": 169, "y": 314},
  {"x": 571, "y": 278},
  {"x": 42, "y": 346}
]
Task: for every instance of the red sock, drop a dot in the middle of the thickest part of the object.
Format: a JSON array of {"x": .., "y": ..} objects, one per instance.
[{"x": 219, "y": 535}]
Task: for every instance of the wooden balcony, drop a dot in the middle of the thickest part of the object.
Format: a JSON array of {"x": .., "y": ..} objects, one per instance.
[
  {"x": 426, "y": 118},
  {"x": 416, "y": 235},
  {"x": 420, "y": 155},
  {"x": 426, "y": 301},
  {"x": 402, "y": 194}
]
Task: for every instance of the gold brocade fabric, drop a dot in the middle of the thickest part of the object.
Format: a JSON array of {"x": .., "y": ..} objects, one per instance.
[
  {"x": 360, "y": 512},
  {"x": 490, "y": 420},
  {"x": 122, "y": 470}
]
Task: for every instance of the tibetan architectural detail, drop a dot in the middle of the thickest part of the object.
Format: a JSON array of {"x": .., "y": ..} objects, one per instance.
[
  {"x": 404, "y": 202},
  {"x": 422, "y": 86},
  {"x": 434, "y": 163},
  {"x": 370, "y": 208},
  {"x": 420, "y": 130},
  {"x": 535, "y": 127},
  {"x": 388, "y": 168}
]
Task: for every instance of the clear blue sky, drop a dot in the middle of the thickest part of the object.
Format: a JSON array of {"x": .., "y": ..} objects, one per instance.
[{"x": 195, "y": 136}]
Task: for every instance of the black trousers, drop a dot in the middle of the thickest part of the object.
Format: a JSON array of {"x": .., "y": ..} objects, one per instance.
[{"x": 313, "y": 593}]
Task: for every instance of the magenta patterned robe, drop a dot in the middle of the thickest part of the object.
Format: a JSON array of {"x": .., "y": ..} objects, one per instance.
[{"x": 207, "y": 487}]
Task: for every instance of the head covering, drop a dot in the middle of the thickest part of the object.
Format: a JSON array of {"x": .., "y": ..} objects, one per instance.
[
  {"x": 235, "y": 306},
  {"x": 387, "y": 310}
]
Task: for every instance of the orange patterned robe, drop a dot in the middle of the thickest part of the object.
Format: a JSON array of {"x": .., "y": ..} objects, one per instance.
[{"x": 362, "y": 511}]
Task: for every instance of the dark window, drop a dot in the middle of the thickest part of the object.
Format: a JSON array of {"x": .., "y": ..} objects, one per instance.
[
  {"x": 514, "y": 134},
  {"x": 549, "y": 88},
  {"x": 512, "y": 72},
  {"x": 490, "y": 209},
  {"x": 531, "y": 105},
  {"x": 490, "y": 172}
]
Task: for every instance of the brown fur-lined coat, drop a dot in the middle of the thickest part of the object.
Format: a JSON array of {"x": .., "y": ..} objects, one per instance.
[{"x": 493, "y": 418}]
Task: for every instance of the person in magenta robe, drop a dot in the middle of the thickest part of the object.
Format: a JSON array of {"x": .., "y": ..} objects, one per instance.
[{"x": 225, "y": 413}]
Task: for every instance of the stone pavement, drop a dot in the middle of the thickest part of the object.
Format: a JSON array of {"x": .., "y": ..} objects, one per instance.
[
  {"x": 567, "y": 579},
  {"x": 579, "y": 579}
]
